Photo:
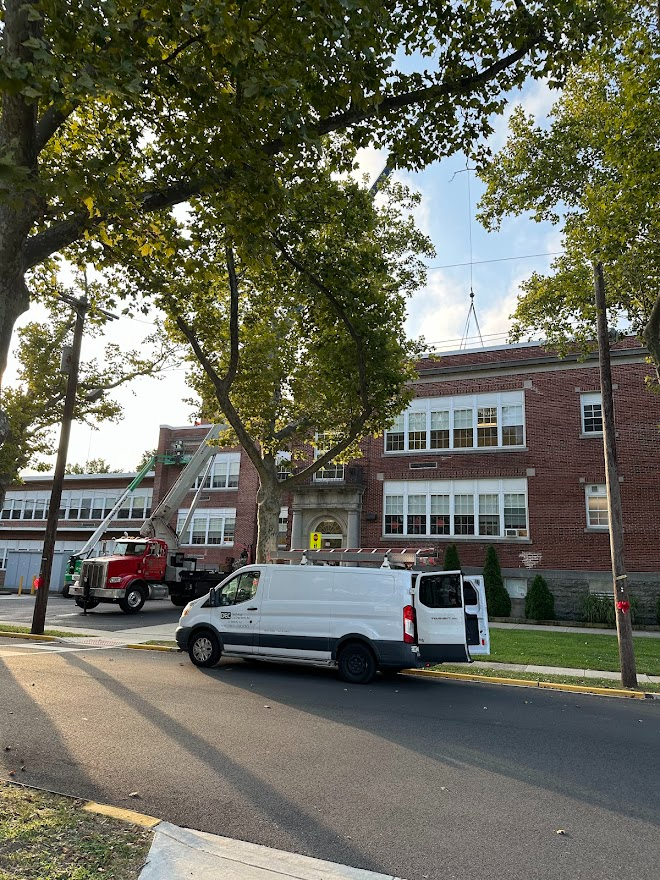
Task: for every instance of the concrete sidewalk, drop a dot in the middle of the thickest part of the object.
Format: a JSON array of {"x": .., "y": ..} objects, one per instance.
[{"x": 182, "y": 854}]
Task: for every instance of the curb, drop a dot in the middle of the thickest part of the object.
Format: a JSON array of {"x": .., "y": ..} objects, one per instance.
[
  {"x": 118, "y": 813},
  {"x": 152, "y": 648},
  {"x": 525, "y": 682},
  {"x": 29, "y": 636}
]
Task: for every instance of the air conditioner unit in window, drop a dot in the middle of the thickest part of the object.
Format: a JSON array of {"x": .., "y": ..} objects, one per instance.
[{"x": 511, "y": 533}]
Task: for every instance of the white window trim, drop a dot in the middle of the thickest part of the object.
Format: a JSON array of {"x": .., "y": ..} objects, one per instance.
[
  {"x": 207, "y": 513},
  {"x": 474, "y": 488},
  {"x": 72, "y": 499},
  {"x": 588, "y": 493},
  {"x": 227, "y": 458},
  {"x": 427, "y": 405},
  {"x": 587, "y": 399}
]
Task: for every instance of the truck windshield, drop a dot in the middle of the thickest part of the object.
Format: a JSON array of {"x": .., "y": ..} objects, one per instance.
[{"x": 130, "y": 548}]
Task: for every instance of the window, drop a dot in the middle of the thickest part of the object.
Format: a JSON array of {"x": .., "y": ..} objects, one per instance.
[
  {"x": 283, "y": 527},
  {"x": 463, "y": 433},
  {"x": 487, "y": 426},
  {"x": 224, "y": 472},
  {"x": 492, "y": 507},
  {"x": 330, "y": 471},
  {"x": 592, "y": 413},
  {"x": 476, "y": 421},
  {"x": 417, "y": 430},
  {"x": 440, "y": 591},
  {"x": 240, "y": 589},
  {"x": 464, "y": 515},
  {"x": 395, "y": 437},
  {"x": 208, "y": 527},
  {"x": 489, "y": 514},
  {"x": 597, "y": 514}
]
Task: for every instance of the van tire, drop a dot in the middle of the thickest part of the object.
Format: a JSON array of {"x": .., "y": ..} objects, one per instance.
[
  {"x": 356, "y": 663},
  {"x": 133, "y": 600},
  {"x": 204, "y": 648}
]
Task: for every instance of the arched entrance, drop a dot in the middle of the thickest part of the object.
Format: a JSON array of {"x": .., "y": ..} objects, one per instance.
[{"x": 331, "y": 534}]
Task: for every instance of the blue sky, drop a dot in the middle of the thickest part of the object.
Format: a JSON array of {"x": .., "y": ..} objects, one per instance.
[{"x": 439, "y": 311}]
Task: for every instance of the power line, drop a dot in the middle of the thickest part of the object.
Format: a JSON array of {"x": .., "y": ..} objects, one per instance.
[{"x": 498, "y": 260}]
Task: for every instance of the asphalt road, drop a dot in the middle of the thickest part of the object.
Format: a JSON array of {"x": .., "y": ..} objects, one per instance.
[
  {"x": 109, "y": 617},
  {"x": 417, "y": 778}
]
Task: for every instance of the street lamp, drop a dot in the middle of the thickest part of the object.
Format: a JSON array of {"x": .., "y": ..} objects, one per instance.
[{"x": 70, "y": 366}]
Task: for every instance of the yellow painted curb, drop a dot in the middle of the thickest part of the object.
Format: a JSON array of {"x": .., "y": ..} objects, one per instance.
[
  {"x": 29, "y": 636},
  {"x": 123, "y": 815},
  {"x": 465, "y": 676},
  {"x": 585, "y": 689},
  {"x": 524, "y": 682},
  {"x": 151, "y": 648}
]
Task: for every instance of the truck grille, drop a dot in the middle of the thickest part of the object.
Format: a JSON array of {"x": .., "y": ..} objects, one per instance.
[{"x": 95, "y": 572}]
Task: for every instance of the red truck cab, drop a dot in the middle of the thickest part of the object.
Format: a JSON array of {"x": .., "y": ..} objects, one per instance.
[{"x": 128, "y": 577}]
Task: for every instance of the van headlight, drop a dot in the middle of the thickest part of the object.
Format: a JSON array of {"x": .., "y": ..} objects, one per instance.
[{"x": 187, "y": 609}]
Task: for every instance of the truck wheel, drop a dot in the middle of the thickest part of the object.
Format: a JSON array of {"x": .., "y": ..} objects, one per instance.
[
  {"x": 179, "y": 601},
  {"x": 90, "y": 603},
  {"x": 357, "y": 663},
  {"x": 133, "y": 600},
  {"x": 204, "y": 648}
]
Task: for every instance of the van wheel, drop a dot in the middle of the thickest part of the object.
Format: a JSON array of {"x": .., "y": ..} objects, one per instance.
[
  {"x": 133, "y": 600},
  {"x": 90, "y": 603},
  {"x": 204, "y": 649},
  {"x": 357, "y": 663}
]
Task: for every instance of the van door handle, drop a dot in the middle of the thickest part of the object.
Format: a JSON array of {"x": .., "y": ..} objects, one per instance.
[{"x": 252, "y": 608}]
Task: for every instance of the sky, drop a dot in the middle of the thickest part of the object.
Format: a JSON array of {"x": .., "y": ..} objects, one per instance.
[{"x": 439, "y": 311}]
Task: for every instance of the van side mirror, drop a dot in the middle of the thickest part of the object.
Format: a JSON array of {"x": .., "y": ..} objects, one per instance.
[{"x": 213, "y": 598}]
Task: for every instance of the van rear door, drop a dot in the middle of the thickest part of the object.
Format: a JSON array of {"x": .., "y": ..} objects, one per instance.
[
  {"x": 476, "y": 615},
  {"x": 440, "y": 617}
]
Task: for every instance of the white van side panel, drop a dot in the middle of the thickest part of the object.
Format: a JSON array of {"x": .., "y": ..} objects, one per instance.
[
  {"x": 368, "y": 602},
  {"x": 295, "y": 611},
  {"x": 481, "y": 612}
]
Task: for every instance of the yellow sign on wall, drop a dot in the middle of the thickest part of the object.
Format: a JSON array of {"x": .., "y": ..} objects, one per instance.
[{"x": 314, "y": 540}]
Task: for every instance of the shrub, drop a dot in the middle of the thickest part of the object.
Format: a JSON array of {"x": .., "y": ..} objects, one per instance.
[
  {"x": 539, "y": 601},
  {"x": 599, "y": 608},
  {"x": 452, "y": 562},
  {"x": 497, "y": 598}
]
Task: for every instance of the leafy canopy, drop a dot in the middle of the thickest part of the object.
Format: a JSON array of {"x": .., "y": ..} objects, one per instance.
[{"x": 597, "y": 167}]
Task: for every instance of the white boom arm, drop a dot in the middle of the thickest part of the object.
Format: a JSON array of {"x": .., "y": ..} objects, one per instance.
[{"x": 157, "y": 526}]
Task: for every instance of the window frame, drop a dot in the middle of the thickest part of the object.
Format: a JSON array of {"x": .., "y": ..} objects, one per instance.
[
  {"x": 404, "y": 435},
  {"x": 590, "y": 398},
  {"x": 596, "y": 527}
]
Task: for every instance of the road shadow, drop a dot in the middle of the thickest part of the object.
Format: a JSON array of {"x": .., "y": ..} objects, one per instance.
[{"x": 517, "y": 733}]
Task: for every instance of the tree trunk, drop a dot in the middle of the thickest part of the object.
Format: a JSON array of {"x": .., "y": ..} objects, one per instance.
[{"x": 269, "y": 500}]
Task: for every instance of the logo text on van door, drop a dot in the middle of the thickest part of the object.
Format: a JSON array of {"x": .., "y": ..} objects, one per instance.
[{"x": 225, "y": 615}]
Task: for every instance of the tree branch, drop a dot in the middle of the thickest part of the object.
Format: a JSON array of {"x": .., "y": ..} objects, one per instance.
[
  {"x": 66, "y": 232},
  {"x": 50, "y": 122},
  {"x": 232, "y": 368}
]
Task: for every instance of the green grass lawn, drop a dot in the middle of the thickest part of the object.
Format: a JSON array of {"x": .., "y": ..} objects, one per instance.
[
  {"x": 56, "y": 633},
  {"x": 573, "y": 650},
  {"x": 47, "y": 837}
]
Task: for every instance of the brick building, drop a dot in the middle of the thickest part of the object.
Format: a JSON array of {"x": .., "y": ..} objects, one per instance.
[{"x": 500, "y": 446}]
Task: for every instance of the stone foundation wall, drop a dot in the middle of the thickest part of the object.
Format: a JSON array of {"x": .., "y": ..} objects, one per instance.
[{"x": 569, "y": 588}]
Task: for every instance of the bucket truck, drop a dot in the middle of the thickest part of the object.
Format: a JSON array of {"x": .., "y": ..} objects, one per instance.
[{"x": 152, "y": 566}]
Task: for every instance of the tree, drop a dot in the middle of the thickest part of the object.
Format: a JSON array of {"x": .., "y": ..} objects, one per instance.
[
  {"x": 539, "y": 601},
  {"x": 147, "y": 455},
  {"x": 498, "y": 600},
  {"x": 452, "y": 562},
  {"x": 598, "y": 165},
  {"x": 93, "y": 466},
  {"x": 114, "y": 113},
  {"x": 35, "y": 402},
  {"x": 296, "y": 338}
]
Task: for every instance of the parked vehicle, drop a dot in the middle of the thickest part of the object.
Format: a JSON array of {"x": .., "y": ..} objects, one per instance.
[
  {"x": 359, "y": 620},
  {"x": 152, "y": 566}
]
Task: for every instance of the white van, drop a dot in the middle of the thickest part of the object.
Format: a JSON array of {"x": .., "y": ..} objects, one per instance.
[{"x": 359, "y": 620}]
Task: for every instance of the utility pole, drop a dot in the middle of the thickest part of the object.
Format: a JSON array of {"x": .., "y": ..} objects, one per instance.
[
  {"x": 80, "y": 307},
  {"x": 621, "y": 598}
]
